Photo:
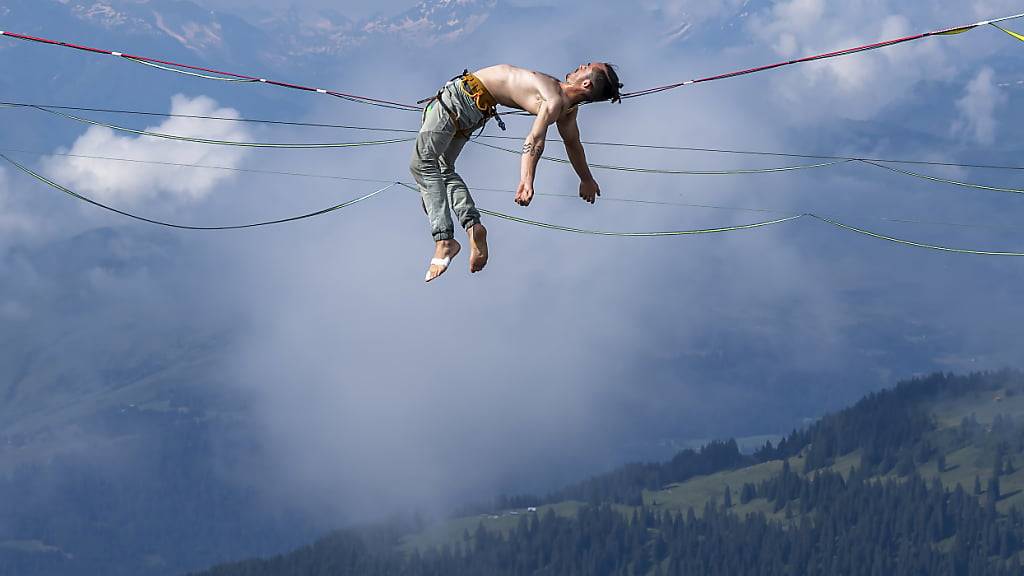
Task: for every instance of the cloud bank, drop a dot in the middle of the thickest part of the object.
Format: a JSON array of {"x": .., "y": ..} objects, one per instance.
[{"x": 132, "y": 184}]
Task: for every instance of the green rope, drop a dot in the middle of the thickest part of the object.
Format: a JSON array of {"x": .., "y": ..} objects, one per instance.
[
  {"x": 684, "y": 172},
  {"x": 509, "y": 217},
  {"x": 74, "y": 194},
  {"x": 187, "y": 73},
  {"x": 224, "y": 142},
  {"x": 626, "y": 234},
  {"x": 1010, "y": 32},
  {"x": 505, "y": 190},
  {"x": 744, "y": 227},
  {"x": 500, "y": 137},
  {"x": 910, "y": 242},
  {"x": 637, "y": 234},
  {"x": 943, "y": 180}
]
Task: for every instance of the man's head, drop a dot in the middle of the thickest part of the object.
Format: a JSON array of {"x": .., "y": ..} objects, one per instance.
[{"x": 598, "y": 80}]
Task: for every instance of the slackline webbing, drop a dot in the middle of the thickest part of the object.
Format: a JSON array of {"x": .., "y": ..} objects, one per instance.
[
  {"x": 876, "y": 163},
  {"x": 1010, "y": 32},
  {"x": 754, "y": 225},
  {"x": 194, "y": 74},
  {"x": 744, "y": 227},
  {"x": 503, "y": 190},
  {"x": 535, "y": 223},
  {"x": 509, "y": 191},
  {"x": 179, "y": 67},
  {"x": 844, "y": 52},
  {"x": 74, "y": 194},
  {"x": 626, "y": 234},
  {"x": 742, "y": 171},
  {"x": 910, "y": 242},
  {"x": 205, "y": 117},
  {"x": 501, "y": 137},
  {"x": 943, "y": 180},
  {"x": 637, "y": 234},
  {"x": 735, "y": 172}
]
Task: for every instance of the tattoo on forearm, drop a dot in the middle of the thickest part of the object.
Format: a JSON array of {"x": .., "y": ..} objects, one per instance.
[{"x": 533, "y": 149}]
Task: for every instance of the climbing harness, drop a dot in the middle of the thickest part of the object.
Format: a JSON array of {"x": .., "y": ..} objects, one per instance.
[{"x": 472, "y": 87}]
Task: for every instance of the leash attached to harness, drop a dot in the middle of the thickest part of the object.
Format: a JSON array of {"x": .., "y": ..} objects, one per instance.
[{"x": 472, "y": 87}]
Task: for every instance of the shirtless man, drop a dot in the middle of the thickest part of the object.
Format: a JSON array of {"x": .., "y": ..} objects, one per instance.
[{"x": 463, "y": 106}]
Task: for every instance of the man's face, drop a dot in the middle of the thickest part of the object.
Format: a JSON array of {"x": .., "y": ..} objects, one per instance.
[{"x": 582, "y": 73}]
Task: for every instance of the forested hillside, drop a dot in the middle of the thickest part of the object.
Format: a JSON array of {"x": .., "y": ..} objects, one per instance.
[{"x": 920, "y": 479}]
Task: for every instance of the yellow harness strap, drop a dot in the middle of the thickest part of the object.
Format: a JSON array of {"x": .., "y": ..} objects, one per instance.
[
  {"x": 471, "y": 86},
  {"x": 475, "y": 89}
]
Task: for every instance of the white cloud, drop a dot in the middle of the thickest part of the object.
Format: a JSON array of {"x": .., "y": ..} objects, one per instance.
[
  {"x": 11, "y": 221},
  {"x": 855, "y": 86},
  {"x": 978, "y": 107},
  {"x": 127, "y": 183},
  {"x": 350, "y": 8}
]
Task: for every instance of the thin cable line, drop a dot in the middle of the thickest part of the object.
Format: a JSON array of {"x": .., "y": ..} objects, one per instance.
[
  {"x": 73, "y": 194},
  {"x": 904, "y": 242},
  {"x": 831, "y": 221},
  {"x": 825, "y": 219},
  {"x": 203, "y": 166},
  {"x": 501, "y": 137},
  {"x": 638, "y": 234},
  {"x": 415, "y": 108},
  {"x": 943, "y": 180},
  {"x": 506, "y": 190},
  {"x": 278, "y": 145},
  {"x": 1010, "y": 32},
  {"x": 351, "y": 97},
  {"x": 202, "y": 117},
  {"x": 195, "y": 74},
  {"x": 739, "y": 171},
  {"x": 816, "y": 57},
  {"x": 628, "y": 234},
  {"x": 742, "y": 171}
]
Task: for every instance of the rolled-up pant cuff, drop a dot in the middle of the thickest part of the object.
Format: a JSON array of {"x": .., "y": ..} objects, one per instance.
[
  {"x": 446, "y": 235},
  {"x": 470, "y": 223}
]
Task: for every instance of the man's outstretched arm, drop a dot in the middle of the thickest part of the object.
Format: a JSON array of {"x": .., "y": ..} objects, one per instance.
[
  {"x": 533, "y": 149},
  {"x": 570, "y": 132}
]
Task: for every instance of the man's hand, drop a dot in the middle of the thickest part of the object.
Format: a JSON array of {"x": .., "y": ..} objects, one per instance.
[
  {"x": 524, "y": 194},
  {"x": 589, "y": 190}
]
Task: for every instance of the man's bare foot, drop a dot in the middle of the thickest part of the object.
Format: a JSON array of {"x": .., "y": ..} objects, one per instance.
[
  {"x": 443, "y": 254},
  {"x": 477, "y": 247}
]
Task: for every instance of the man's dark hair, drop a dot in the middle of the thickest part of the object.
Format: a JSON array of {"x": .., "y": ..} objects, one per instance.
[{"x": 606, "y": 85}]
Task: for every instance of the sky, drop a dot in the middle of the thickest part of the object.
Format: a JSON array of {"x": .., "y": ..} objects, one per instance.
[
  {"x": 352, "y": 8},
  {"x": 365, "y": 386}
]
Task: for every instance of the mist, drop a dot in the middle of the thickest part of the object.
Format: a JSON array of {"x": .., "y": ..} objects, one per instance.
[{"x": 370, "y": 393}]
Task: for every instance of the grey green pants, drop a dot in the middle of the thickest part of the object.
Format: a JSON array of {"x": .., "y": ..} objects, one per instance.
[{"x": 433, "y": 162}]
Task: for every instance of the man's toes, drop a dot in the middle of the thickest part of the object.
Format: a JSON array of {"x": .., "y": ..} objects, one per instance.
[{"x": 434, "y": 272}]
